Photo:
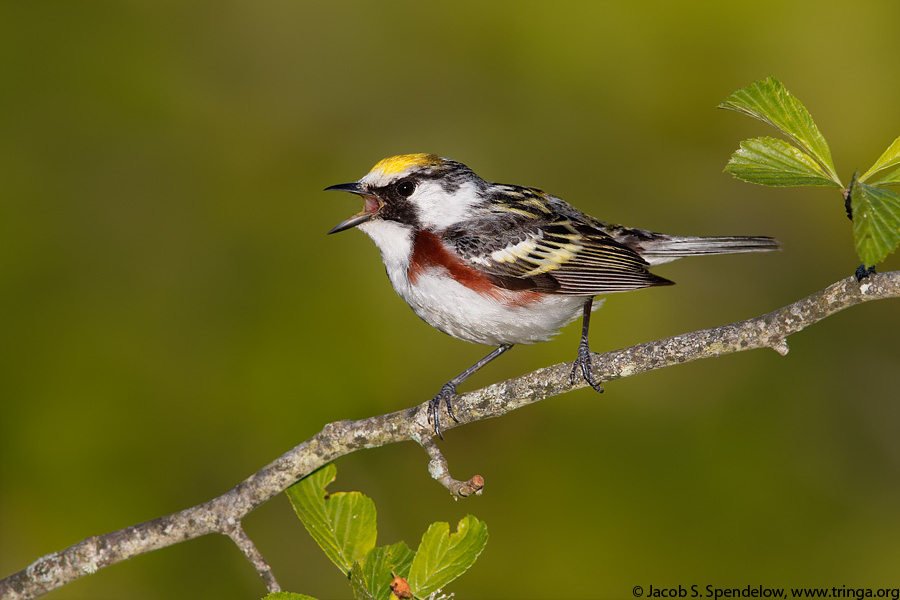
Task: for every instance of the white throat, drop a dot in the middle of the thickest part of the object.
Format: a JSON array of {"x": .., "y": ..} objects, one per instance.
[{"x": 393, "y": 239}]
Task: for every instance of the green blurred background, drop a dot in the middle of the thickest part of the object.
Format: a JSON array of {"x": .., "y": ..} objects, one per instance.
[{"x": 174, "y": 317}]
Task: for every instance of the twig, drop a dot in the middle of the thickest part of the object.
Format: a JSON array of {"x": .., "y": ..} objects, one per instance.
[
  {"x": 343, "y": 437},
  {"x": 440, "y": 471},
  {"x": 250, "y": 552}
]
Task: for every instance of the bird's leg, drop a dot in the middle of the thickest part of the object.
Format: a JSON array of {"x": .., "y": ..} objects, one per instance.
[
  {"x": 447, "y": 395},
  {"x": 583, "y": 362}
]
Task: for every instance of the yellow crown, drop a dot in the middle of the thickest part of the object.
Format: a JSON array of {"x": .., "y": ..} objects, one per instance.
[{"x": 402, "y": 162}]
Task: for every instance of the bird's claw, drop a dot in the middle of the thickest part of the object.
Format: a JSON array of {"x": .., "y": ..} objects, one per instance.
[
  {"x": 583, "y": 363},
  {"x": 446, "y": 397}
]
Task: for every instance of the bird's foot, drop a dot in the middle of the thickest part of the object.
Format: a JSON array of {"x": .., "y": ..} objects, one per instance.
[
  {"x": 583, "y": 363},
  {"x": 446, "y": 396}
]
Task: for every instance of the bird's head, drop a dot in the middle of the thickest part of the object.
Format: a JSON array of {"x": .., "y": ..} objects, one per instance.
[{"x": 420, "y": 191}]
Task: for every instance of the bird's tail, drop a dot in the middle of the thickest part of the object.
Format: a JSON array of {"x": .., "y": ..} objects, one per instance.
[{"x": 661, "y": 248}]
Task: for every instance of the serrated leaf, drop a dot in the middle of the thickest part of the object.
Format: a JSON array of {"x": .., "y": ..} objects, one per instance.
[
  {"x": 380, "y": 566},
  {"x": 287, "y": 596},
  {"x": 442, "y": 556},
  {"x": 774, "y": 162},
  {"x": 343, "y": 523},
  {"x": 891, "y": 178},
  {"x": 876, "y": 222},
  {"x": 359, "y": 585},
  {"x": 770, "y": 102},
  {"x": 890, "y": 158}
]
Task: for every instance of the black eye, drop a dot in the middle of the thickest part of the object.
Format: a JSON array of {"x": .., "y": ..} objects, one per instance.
[{"x": 406, "y": 187}]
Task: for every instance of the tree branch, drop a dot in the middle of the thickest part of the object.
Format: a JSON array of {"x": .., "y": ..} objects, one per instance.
[
  {"x": 248, "y": 548},
  {"x": 224, "y": 514}
]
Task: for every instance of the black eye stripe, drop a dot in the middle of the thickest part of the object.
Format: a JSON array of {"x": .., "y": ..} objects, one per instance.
[{"x": 397, "y": 207}]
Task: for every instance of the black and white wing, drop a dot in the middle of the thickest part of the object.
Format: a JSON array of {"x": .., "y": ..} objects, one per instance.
[{"x": 527, "y": 244}]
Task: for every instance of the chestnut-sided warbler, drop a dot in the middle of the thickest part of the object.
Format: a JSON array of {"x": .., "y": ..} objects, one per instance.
[{"x": 501, "y": 264}]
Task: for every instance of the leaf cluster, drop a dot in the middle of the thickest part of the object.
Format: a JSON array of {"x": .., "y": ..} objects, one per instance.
[
  {"x": 343, "y": 524},
  {"x": 806, "y": 161}
]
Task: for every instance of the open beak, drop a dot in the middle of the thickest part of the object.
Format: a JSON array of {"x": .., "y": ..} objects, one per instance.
[{"x": 371, "y": 208}]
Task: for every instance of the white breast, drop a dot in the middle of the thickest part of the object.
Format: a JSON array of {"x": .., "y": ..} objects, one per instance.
[
  {"x": 465, "y": 314},
  {"x": 460, "y": 311}
]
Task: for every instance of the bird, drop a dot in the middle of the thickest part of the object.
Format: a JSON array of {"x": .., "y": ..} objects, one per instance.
[{"x": 500, "y": 264}]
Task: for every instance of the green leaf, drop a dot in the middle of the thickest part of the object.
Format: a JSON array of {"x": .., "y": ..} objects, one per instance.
[
  {"x": 876, "y": 222},
  {"x": 442, "y": 556},
  {"x": 380, "y": 566},
  {"x": 770, "y": 102},
  {"x": 770, "y": 161},
  {"x": 343, "y": 523},
  {"x": 890, "y": 158},
  {"x": 891, "y": 178},
  {"x": 359, "y": 585},
  {"x": 287, "y": 596}
]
